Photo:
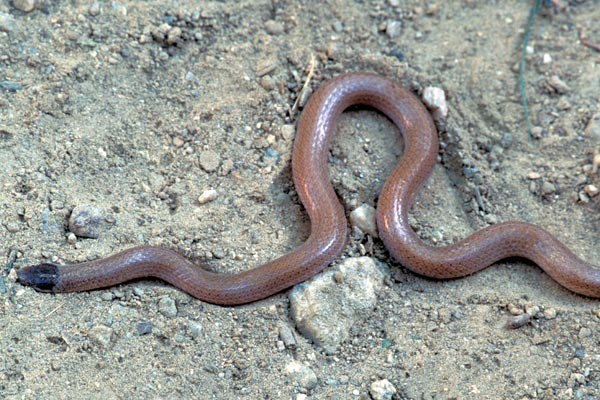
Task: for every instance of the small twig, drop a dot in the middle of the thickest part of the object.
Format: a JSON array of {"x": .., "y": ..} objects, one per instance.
[
  {"x": 301, "y": 94},
  {"x": 55, "y": 309}
]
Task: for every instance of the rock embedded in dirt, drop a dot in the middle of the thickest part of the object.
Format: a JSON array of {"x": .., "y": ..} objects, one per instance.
[
  {"x": 209, "y": 160},
  {"x": 86, "y": 221},
  {"x": 167, "y": 307},
  {"x": 25, "y": 5},
  {"x": 7, "y": 22},
  {"x": 274, "y": 27},
  {"x": 393, "y": 29},
  {"x": 548, "y": 188},
  {"x": 382, "y": 390},
  {"x": 301, "y": 374},
  {"x": 326, "y": 307},
  {"x": 100, "y": 334}
]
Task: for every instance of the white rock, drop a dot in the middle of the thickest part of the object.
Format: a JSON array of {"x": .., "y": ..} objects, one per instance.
[
  {"x": 435, "y": 98},
  {"x": 327, "y": 306},
  {"x": 382, "y": 390},
  {"x": 546, "y": 58},
  {"x": 207, "y": 196},
  {"x": 364, "y": 217},
  {"x": 591, "y": 190},
  {"x": 393, "y": 29}
]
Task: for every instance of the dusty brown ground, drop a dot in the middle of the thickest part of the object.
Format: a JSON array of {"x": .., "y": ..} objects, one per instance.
[{"x": 113, "y": 110}]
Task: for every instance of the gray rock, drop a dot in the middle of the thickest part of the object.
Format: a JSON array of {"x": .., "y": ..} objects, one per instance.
[
  {"x": 86, "y": 221},
  {"x": 558, "y": 84},
  {"x": 593, "y": 127},
  {"x": 195, "y": 328},
  {"x": 7, "y": 22},
  {"x": 393, "y": 29},
  {"x": 274, "y": 27},
  {"x": 144, "y": 328},
  {"x": 100, "y": 334},
  {"x": 548, "y": 188},
  {"x": 209, "y": 160},
  {"x": 25, "y": 5},
  {"x": 287, "y": 337},
  {"x": 327, "y": 306},
  {"x": 167, "y": 307}
]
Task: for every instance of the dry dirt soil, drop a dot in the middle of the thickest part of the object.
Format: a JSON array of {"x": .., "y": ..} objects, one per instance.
[{"x": 136, "y": 108}]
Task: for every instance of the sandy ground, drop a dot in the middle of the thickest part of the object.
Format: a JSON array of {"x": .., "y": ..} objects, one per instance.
[{"x": 137, "y": 108}]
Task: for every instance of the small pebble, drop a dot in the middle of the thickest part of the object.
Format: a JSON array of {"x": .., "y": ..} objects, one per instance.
[
  {"x": 364, "y": 217},
  {"x": 382, "y": 390},
  {"x": 178, "y": 142},
  {"x": 546, "y": 58},
  {"x": 548, "y": 188},
  {"x": 7, "y": 22},
  {"x": 174, "y": 36},
  {"x": 85, "y": 221},
  {"x": 550, "y": 313},
  {"x": 559, "y": 85},
  {"x": 514, "y": 310},
  {"x": 533, "y": 175},
  {"x": 144, "y": 328},
  {"x": 179, "y": 338},
  {"x": 287, "y": 337},
  {"x": 94, "y": 9},
  {"x": 266, "y": 66},
  {"x": 532, "y": 310},
  {"x": 517, "y": 321},
  {"x": 301, "y": 374},
  {"x": 107, "y": 296},
  {"x": 209, "y": 160},
  {"x": 536, "y": 132},
  {"x": 267, "y": 82},
  {"x": 100, "y": 334},
  {"x": 338, "y": 27},
  {"x": 591, "y": 190},
  {"x": 195, "y": 328},
  {"x": 506, "y": 140},
  {"x": 393, "y": 29},
  {"x": 25, "y": 5},
  {"x": 584, "y": 333},
  {"x": 273, "y": 27},
  {"x": 207, "y": 196},
  {"x": 435, "y": 99},
  {"x": 592, "y": 128},
  {"x": 167, "y": 307}
]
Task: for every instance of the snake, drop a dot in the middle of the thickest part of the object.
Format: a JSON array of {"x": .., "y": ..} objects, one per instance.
[{"x": 328, "y": 232}]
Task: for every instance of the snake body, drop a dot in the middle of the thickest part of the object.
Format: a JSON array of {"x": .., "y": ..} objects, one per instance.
[{"x": 328, "y": 223}]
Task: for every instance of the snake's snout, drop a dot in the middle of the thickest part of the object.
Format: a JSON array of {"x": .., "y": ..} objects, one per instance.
[{"x": 42, "y": 277}]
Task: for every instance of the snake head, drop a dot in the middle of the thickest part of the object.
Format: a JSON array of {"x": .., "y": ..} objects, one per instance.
[{"x": 42, "y": 277}]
